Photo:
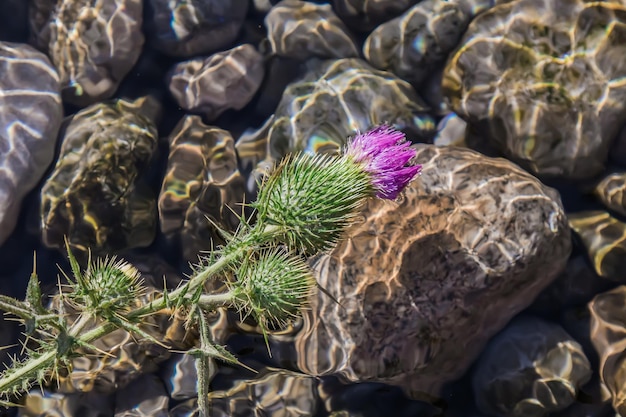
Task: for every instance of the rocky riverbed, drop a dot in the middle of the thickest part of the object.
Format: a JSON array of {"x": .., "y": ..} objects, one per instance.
[{"x": 494, "y": 286}]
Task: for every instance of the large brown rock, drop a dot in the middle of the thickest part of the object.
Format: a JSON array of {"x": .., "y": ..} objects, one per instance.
[{"x": 421, "y": 284}]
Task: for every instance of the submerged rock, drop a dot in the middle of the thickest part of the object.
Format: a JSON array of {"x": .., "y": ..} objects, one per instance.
[
  {"x": 423, "y": 283},
  {"x": 30, "y": 116},
  {"x": 612, "y": 192},
  {"x": 202, "y": 186},
  {"x": 301, "y": 30},
  {"x": 225, "y": 80},
  {"x": 94, "y": 44},
  {"x": 604, "y": 238},
  {"x": 532, "y": 368},
  {"x": 544, "y": 81},
  {"x": 194, "y": 27},
  {"x": 274, "y": 392},
  {"x": 412, "y": 45},
  {"x": 94, "y": 196},
  {"x": 608, "y": 335}
]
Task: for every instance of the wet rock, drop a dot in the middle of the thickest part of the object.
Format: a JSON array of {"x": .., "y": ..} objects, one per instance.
[
  {"x": 412, "y": 45},
  {"x": 194, "y": 27},
  {"x": 543, "y": 80},
  {"x": 39, "y": 15},
  {"x": 421, "y": 285},
  {"x": 202, "y": 184},
  {"x": 30, "y": 116},
  {"x": 532, "y": 368},
  {"x": 94, "y": 44},
  {"x": 363, "y": 16},
  {"x": 144, "y": 397},
  {"x": 574, "y": 287},
  {"x": 94, "y": 196},
  {"x": 332, "y": 101},
  {"x": 301, "y": 30},
  {"x": 225, "y": 80},
  {"x": 47, "y": 403},
  {"x": 608, "y": 335},
  {"x": 604, "y": 238},
  {"x": 451, "y": 131},
  {"x": 612, "y": 192},
  {"x": 275, "y": 392},
  {"x": 370, "y": 399}
]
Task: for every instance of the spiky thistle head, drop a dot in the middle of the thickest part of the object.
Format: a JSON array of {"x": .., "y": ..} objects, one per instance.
[
  {"x": 309, "y": 200},
  {"x": 108, "y": 286},
  {"x": 272, "y": 286}
]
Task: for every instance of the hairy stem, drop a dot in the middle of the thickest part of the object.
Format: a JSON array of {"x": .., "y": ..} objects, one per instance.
[{"x": 29, "y": 369}]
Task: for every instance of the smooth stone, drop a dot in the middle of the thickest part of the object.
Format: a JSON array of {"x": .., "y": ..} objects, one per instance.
[
  {"x": 225, "y": 80},
  {"x": 611, "y": 191},
  {"x": 301, "y": 30},
  {"x": 91, "y": 62},
  {"x": 202, "y": 186},
  {"x": 418, "y": 286},
  {"x": 551, "y": 105},
  {"x": 40, "y": 403},
  {"x": 144, "y": 397},
  {"x": 414, "y": 44},
  {"x": 608, "y": 335},
  {"x": 30, "y": 116},
  {"x": 363, "y": 16},
  {"x": 194, "y": 27},
  {"x": 604, "y": 238},
  {"x": 530, "y": 369}
]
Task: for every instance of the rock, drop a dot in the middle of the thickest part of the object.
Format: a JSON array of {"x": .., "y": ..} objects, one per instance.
[
  {"x": 532, "y": 368},
  {"x": 574, "y": 287},
  {"x": 608, "y": 335},
  {"x": 272, "y": 392},
  {"x": 412, "y": 45},
  {"x": 422, "y": 284},
  {"x": 30, "y": 116},
  {"x": 94, "y": 44},
  {"x": 93, "y": 195},
  {"x": 144, "y": 396},
  {"x": 202, "y": 184},
  {"x": 40, "y": 403},
  {"x": 363, "y": 16},
  {"x": 225, "y": 80},
  {"x": 39, "y": 15},
  {"x": 194, "y": 27},
  {"x": 332, "y": 101},
  {"x": 604, "y": 238},
  {"x": 451, "y": 131},
  {"x": 299, "y": 29},
  {"x": 543, "y": 80},
  {"x": 612, "y": 192}
]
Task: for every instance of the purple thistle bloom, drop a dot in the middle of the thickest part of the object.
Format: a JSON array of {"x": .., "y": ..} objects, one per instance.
[{"x": 383, "y": 152}]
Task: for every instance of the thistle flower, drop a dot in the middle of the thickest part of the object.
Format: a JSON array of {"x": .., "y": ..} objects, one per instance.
[
  {"x": 309, "y": 200},
  {"x": 383, "y": 152}
]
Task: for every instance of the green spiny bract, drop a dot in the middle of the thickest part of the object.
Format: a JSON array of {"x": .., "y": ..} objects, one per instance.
[
  {"x": 108, "y": 286},
  {"x": 310, "y": 199}
]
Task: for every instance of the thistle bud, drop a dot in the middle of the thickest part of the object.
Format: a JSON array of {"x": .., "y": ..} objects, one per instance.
[{"x": 273, "y": 286}]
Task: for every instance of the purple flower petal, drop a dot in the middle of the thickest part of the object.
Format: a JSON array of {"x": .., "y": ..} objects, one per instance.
[{"x": 384, "y": 152}]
